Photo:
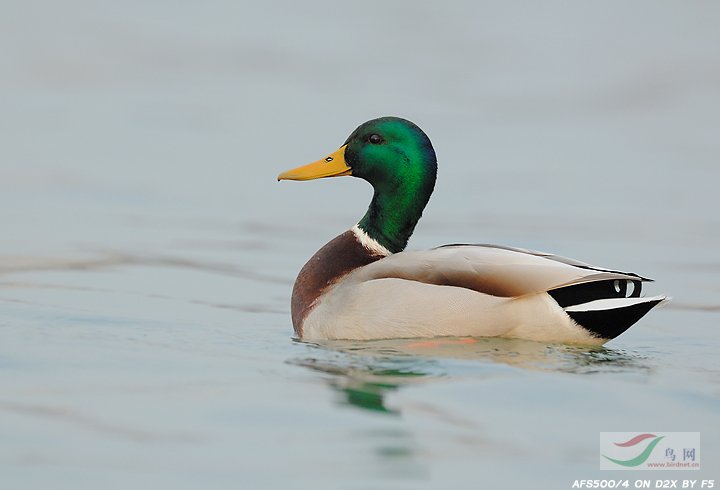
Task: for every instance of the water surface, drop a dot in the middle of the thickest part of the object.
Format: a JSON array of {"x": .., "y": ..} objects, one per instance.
[{"x": 147, "y": 253}]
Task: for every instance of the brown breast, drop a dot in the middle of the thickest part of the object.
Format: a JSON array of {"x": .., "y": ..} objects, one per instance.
[{"x": 338, "y": 257}]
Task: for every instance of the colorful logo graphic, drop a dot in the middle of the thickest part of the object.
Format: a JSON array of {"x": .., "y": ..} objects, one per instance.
[
  {"x": 649, "y": 451},
  {"x": 643, "y": 456}
]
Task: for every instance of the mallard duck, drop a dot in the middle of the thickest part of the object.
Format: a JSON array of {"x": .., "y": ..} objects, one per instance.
[{"x": 362, "y": 284}]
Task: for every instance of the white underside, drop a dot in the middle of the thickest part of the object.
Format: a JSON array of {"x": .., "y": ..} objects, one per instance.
[{"x": 398, "y": 308}]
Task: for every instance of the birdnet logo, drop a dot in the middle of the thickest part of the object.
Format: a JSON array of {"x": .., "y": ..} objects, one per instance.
[{"x": 649, "y": 451}]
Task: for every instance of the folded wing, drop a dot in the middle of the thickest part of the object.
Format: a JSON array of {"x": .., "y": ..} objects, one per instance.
[{"x": 497, "y": 271}]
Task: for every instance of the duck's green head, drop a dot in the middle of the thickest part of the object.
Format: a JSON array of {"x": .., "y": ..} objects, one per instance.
[{"x": 398, "y": 160}]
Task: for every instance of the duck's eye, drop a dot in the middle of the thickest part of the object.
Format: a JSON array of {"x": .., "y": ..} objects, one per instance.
[{"x": 375, "y": 139}]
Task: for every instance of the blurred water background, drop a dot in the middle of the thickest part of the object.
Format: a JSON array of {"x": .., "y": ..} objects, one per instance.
[{"x": 147, "y": 253}]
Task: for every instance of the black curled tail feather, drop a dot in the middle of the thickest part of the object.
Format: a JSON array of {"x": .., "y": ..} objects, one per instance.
[
  {"x": 605, "y": 308},
  {"x": 611, "y": 322}
]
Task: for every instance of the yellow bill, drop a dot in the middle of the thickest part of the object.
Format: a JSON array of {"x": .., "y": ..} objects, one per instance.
[{"x": 333, "y": 165}]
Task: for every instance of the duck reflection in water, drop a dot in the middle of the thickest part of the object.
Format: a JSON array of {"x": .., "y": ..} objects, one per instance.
[{"x": 364, "y": 373}]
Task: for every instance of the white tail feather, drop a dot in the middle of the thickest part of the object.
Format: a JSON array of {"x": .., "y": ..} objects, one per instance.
[{"x": 613, "y": 303}]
